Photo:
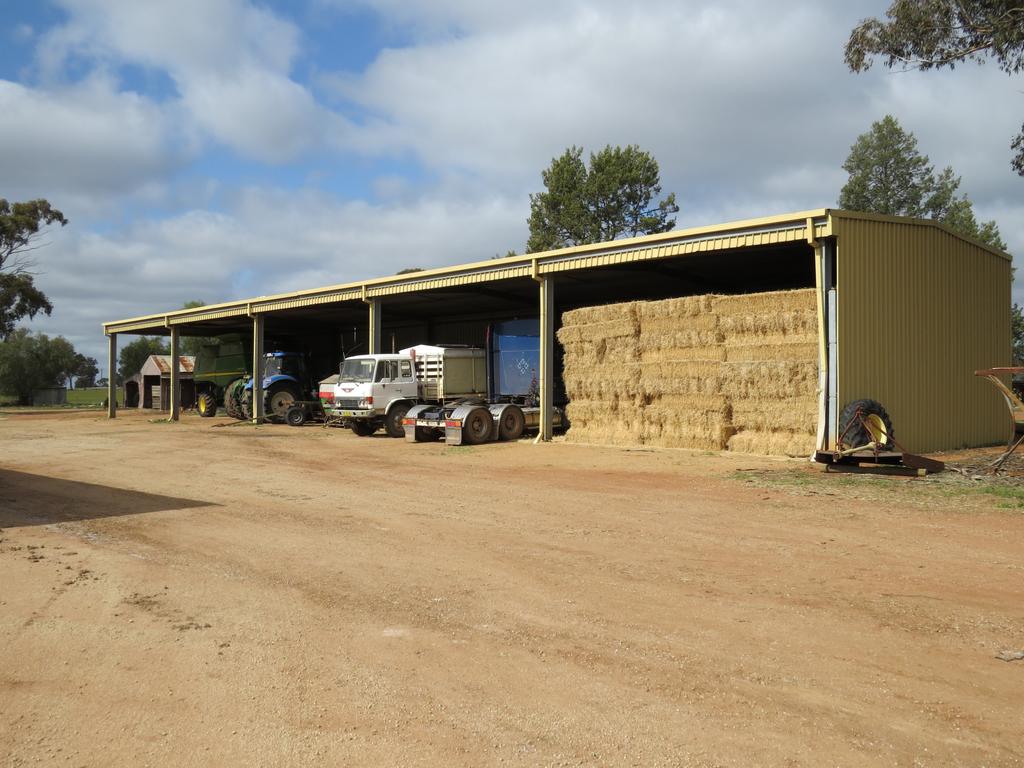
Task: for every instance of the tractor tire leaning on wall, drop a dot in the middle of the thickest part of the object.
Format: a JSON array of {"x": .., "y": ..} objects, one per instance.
[{"x": 865, "y": 421}]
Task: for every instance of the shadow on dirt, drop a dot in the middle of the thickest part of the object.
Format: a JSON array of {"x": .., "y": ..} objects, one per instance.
[{"x": 27, "y": 499}]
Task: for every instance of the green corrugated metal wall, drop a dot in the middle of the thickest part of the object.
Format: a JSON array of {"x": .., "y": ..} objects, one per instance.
[{"x": 919, "y": 311}]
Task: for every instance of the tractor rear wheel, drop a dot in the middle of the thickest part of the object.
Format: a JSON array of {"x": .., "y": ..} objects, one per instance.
[
  {"x": 281, "y": 397},
  {"x": 865, "y": 421},
  {"x": 206, "y": 405},
  {"x": 393, "y": 421},
  {"x": 231, "y": 404},
  {"x": 246, "y": 409}
]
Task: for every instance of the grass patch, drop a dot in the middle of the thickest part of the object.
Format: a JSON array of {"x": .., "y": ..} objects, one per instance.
[
  {"x": 947, "y": 489},
  {"x": 91, "y": 396},
  {"x": 1010, "y": 497}
]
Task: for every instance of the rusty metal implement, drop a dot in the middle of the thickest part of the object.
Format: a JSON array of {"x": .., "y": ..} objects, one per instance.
[{"x": 1013, "y": 402}]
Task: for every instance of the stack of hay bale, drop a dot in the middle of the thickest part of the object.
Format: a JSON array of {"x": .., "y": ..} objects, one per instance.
[
  {"x": 771, "y": 370},
  {"x": 603, "y": 381},
  {"x": 707, "y": 372}
]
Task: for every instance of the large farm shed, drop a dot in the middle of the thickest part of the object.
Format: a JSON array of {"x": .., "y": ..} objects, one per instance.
[{"x": 746, "y": 335}]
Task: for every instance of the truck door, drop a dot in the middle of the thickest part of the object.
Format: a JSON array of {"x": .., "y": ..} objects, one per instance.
[
  {"x": 387, "y": 372},
  {"x": 407, "y": 379}
]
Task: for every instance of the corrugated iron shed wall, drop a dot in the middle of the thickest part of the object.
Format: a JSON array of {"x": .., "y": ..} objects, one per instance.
[{"x": 920, "y": 310}]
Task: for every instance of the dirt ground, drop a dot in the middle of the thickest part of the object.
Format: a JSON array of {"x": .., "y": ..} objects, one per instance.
[{"x": 210, "y": 593}]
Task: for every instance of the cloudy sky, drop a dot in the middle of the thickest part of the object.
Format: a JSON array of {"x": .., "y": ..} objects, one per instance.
[{"x": 220, "y": 149}]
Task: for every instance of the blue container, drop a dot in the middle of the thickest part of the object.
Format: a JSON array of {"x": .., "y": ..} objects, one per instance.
[{"x": 515, "y": 358}]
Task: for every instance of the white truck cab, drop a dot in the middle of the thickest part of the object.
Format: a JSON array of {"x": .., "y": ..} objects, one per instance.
[{"x": 375, "y": 391}]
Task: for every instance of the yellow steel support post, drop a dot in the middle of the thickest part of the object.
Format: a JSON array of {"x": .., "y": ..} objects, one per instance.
[
  {"x": 175, "y": 392},
  {"x": 375, "y": 325},
  {"x": 257, "y": 369},
  {"x": 547, "y": 357},
  {"x": 111, "y": 375}
]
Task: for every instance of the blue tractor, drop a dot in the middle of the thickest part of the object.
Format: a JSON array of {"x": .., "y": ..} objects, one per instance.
[{"x": 286, "y": 381}]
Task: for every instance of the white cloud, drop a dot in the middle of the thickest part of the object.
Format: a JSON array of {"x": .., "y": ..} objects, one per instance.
[
  {"x": 259, "y": 114},
  {"x": 229, "y": 62},
  {"x": 83, "y": 142}
]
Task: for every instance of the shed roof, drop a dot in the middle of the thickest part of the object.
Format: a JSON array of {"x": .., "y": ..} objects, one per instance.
[
  {"x": 790, "y": 228},
  {"x": 161, "y": 364}
]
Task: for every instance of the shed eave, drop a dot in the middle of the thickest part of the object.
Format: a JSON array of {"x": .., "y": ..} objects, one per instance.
[{"x": 714, "y": 237}]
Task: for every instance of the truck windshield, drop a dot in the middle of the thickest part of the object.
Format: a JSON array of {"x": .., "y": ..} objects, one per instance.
[{"x": 357, "y": 370}]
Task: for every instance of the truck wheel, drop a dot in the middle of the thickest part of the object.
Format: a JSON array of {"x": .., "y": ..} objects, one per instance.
[
  {"x": 362, "y": 428},
  {"x": 206, "y": 405},
  {"x": 296, "y": 416},
  {"x": 876, "y": 426},
  {"x": 476, "y": 427},
  {"x": 511, "y": 424},
  {"x": 393, "y": 421},
  {"x": 281, "y": 397}
]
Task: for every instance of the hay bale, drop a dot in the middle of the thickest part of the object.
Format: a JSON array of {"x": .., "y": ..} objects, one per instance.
[
  {"x": 799, "y": 323},
  {"x": 781, "y": 313},
  {"x": 676, "y": 338},
  {"x": 794, "y": 444},
  {"x": 698, "y": 422},
  {"x": 797, "y": 414},
  {"x": 680, "y": 377},
  {"x": 778, "y": 380},
  {"x": 608, "y": 329},
  {"x": 601, "y": 314},
  {"x": 771, "y": 348},
  {"x": 690, "y": 307},
  {"x": 603, "y": 422},
  {"x": 604, "y": 382},
  {"x": 767, "y": 303},
  {"x": 710, "y": 438},
  {"x": 703, "y": 402},
  {"x": 709, "y": 353}
]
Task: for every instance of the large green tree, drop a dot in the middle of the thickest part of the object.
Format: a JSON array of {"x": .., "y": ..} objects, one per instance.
[
  {"x": 29, "y": 361},
  {"x": 85, "y": 371},
  {"x": 134, "y": 354},
  {"x": 887, "y": 174},
  {"x": 610, "y": 198},
  {"x": 933, "y": 34},
  {"x": 21, "y": 224}
]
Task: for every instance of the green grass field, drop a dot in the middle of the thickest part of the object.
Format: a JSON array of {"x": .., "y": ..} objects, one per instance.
[{"x": 90, "y": 396}]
